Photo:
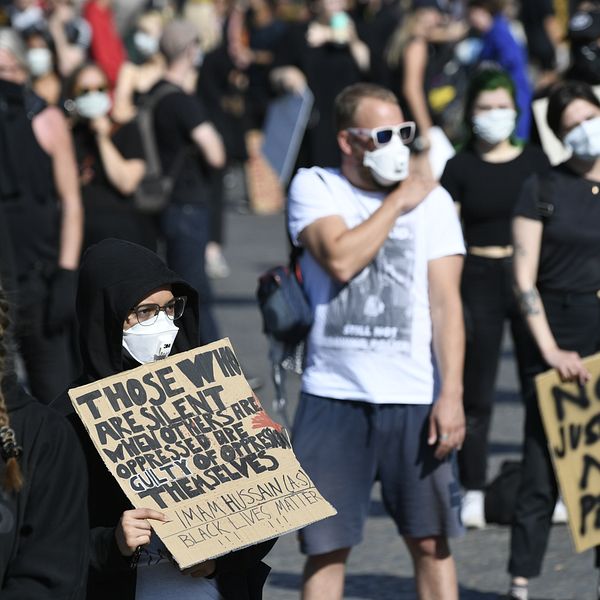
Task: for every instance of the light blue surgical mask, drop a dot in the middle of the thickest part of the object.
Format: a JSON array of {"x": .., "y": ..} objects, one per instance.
[
  {"x": 584, "y": 140},
  {"x": 145, "y": 44},
  {"x": 39, "y": 61},
  {"x": 496, "y": 125},
  {"x": 93, "y": 105}
]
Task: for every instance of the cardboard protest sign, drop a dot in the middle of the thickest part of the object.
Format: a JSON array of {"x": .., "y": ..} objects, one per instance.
[
  {"x": 187, "y": 436},
  {"x": 571, "y": 417}
]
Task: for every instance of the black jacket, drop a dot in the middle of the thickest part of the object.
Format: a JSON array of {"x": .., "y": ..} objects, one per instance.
[
  {"x": 115, "y": 275},
  {"x": 43, "y": 528}
]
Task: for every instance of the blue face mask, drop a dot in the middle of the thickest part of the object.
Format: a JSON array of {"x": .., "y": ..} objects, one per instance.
[
  {"x": 584, "y": 140},
  {"x": 496, "y": 125},
  {"x": 93, "y": 105},
  {"x": 145, "y": 44}
]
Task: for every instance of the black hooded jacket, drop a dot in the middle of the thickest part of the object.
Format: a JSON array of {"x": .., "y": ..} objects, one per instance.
[
  {"x": 116, "y": 275},
  {"x": 43, "y": 527}
]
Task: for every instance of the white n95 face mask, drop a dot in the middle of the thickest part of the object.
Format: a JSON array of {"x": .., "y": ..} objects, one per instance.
[
  {"x": 145, "y": 44},
  {"x": 148, "y": 343},
  {"x": 584, "y": 140},
  {"x": 93, "y": 105},
  {"x": 39, "y": 61},
  {"x": 496, "y": 125},
  {"x": 390, "y": 163}
]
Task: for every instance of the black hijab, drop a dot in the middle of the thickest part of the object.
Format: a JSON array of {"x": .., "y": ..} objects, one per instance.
[{"x": 116, "y": 275}]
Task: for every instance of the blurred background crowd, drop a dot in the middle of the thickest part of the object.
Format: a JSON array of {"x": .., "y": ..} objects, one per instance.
[
  {"x": 144, "y": 119},
  {"x": 100, "y": 77}
]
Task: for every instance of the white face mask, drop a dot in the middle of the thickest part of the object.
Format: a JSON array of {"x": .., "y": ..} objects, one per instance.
[
  {"x": 390, "y": 163},
  {"x": 39, "y": 61},
  {"x": 145, "y": 44},
  {"x": 148, "y": 343},
  {"x": 584, "y": 140},
  {"x": 93, "y": 105},
  {"x": 496, "y": 125}
]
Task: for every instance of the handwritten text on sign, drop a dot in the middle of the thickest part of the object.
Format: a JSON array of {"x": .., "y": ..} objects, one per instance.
[
  {"x": 571, "y": 416},
  {"x": 188, "y": 437}
]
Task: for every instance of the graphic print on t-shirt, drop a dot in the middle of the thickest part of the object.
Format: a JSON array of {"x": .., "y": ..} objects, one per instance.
[{"x": 375, "y": 308}]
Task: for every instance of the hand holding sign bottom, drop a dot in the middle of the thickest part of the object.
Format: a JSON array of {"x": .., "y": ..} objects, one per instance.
[{"x": 134, "y": 530}]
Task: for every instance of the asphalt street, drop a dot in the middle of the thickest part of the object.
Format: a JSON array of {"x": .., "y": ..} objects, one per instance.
[{"x": 380, "y": 568}]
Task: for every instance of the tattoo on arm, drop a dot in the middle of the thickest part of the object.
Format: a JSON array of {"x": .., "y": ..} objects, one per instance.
[
  {"x": 520, "y": 250},
  {"x": 529, "y": 302}
]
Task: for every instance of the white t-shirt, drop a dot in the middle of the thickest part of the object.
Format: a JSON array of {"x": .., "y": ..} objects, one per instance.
[{"x": 371, "y": 338}]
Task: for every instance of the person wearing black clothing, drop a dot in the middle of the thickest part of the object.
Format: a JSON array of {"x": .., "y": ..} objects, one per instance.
[
  {"x": 117, "y": 277},
  {"x": 189, "y": 144},
  {"x": 556, "y": 233},
  {"x": 43, "y": 520},
  {"x": 111, "y": 163},
  {"x": 484, "y": 178},
  {"x": 326, "y": 55},
  {"x": 584, "y": 38},
  {"x": 538, "y": 17},
  {"x": 42, "y": 207}
]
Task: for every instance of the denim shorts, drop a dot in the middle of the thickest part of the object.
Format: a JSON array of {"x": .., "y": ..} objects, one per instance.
[{"x": 345, "y": 446}]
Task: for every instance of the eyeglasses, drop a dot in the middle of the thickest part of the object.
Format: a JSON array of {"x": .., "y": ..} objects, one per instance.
[
  {"x": 147, "y": 314},
  {"x": 383, "y": 135}
]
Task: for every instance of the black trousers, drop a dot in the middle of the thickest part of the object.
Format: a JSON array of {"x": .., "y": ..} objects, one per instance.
[
  {"x": 488, "y": 301},
  {"x": 51, "y": 360},
  {"x": 574, "y": 320}
]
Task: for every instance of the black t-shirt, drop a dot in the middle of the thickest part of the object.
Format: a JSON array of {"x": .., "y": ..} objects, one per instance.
[
  {"x": 175, "y": 117},
  {"x": 108, "y": 213},
  {"x": 328, "y": 69},
  {"x": 98, "y": 192},
  {"x": 570, "y": 252},
  {"x": 487, "y": 192}
]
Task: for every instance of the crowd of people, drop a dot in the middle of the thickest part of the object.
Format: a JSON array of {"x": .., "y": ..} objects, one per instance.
[{"x": 425, "y": 214}]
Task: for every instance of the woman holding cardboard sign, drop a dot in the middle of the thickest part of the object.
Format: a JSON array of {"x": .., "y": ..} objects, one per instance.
[
  {"x": 133, "y": 310},
  {"x": 557, "y": 271}
]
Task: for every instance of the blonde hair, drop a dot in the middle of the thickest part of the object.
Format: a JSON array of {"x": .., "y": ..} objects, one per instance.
[
  {"x": 9, "y": 450},
  {"x": 409, "y": 28}
]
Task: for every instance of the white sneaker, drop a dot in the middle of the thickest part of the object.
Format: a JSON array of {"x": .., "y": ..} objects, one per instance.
[
  {"x": 216, "y": 266},
  {"x": 472, "y": 511},
  {"x": 560, "y": 512}
]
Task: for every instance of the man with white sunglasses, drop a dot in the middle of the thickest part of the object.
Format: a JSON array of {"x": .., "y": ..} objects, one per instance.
[{"x": 381, "y": 268}]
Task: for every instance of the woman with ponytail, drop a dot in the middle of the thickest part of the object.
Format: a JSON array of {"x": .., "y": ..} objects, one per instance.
[{"x": 43, "y": 523}]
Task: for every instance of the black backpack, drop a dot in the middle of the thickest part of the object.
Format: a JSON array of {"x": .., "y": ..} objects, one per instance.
[{"x": 154, "y": 191}]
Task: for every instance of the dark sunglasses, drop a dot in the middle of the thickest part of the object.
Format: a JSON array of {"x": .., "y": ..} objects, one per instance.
[{"x": 84, "y": 91}]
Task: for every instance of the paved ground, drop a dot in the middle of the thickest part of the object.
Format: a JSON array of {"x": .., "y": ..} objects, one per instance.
[{"x": 380, "y": 569}]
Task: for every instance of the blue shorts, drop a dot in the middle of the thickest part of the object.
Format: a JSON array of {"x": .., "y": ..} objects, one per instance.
[{"x": 345, "y": 446}]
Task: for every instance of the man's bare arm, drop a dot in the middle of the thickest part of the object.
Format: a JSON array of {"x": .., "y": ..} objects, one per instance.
[
  {"x": 447, "y": 422},
  {"x": 344, "y": 252},
  {"x": 210, "y": 143}
]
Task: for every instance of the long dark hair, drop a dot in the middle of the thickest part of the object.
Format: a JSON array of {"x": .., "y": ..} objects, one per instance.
[{"x": 9, "y": 450}]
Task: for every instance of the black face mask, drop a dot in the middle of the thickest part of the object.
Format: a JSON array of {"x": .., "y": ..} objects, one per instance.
[
  {"x": 584, "y": 26},
  {"x": 13, "y": 93}
]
